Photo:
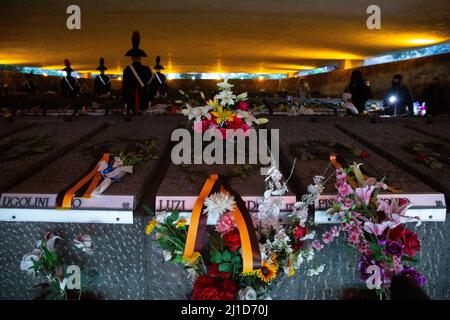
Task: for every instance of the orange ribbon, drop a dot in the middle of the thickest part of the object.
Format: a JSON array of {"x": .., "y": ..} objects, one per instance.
[
  {"x": 94, "y": 175},
  {"x": 337, "y": 165},
  {"x": 248, "y": 248}
]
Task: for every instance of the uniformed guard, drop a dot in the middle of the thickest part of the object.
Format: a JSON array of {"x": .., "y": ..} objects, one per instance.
[
  {"x": 136, "y": 77},
  {"x": 158, "y": 83},
  {"x": 28, "y": 86},
  {"x": 102, "y": 82},
  {"x": 70, "y": 87}
]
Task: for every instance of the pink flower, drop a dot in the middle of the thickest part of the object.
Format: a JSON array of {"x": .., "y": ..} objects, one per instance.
[
  {"x": 364, "y": 194},
  {"x": 243, "y": 105},
  {"x": 225, "y": 224},
  {"x": 353, "y": 237},
  {"x": 344, "y": 189},
  {"x": 317, "y": 245},
  {"x": 376, "y": 229},
  {"x": 329, "y": 236}
]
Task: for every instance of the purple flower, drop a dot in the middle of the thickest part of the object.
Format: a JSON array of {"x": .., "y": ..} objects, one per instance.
[
  {"x": 394, "y": 248},
  {"x": 412, "y": 273},
  {"x": 381, "y": 239},
  {"x": 363, "y": 263}
]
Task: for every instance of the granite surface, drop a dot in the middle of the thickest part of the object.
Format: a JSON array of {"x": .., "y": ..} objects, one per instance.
[{"x": 131, "y": 264}]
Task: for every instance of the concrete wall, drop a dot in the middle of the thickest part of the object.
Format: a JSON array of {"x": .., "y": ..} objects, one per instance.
[{"x": 417, "y": 74}]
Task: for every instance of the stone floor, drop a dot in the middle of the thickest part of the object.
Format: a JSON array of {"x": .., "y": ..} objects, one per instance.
[{"x": 131, "y": 265}]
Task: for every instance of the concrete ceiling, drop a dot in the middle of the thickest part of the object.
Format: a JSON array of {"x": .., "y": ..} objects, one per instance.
[{"x": 258, "y": 36}]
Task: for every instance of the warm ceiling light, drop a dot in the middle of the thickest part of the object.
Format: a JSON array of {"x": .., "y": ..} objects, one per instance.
[
  {"x": 119, "y": 78},
  {"x": 45, "y": 75},
  {"x": 422, "y": 41},
  {"x": 260, "y": 78}
]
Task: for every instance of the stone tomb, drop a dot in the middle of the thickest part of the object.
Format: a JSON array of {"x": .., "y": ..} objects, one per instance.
[
  {"x": 182, "y": 184},
  {"x": 34, "y": 199},
  {"x": 26, "y": 152},
  {"x": 299, "y": 132},
  {"x": 389, "y": 138}
]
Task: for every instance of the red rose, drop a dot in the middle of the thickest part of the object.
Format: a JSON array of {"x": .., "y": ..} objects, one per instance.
[
  {"x": 297, "y": 245},
  {"x": 228, "y": 286},
  {"x": 300, "y": 232},
  {"x": 208, "y": 293},
  {"x": 396, "y": 233},
  {"x": 207, "y": 288},
  {"x": 411, "y": 242},
  {"x": 232, "y": 240},
  {"x": 243, "y": 105},
  {"x": 214, "y": 272}
]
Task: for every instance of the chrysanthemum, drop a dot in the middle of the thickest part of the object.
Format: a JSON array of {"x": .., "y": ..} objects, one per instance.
[
  {"x": 219, "y": 203},
  {"x": 180, "y": 223},
  {"x": 268, "y": 272}
]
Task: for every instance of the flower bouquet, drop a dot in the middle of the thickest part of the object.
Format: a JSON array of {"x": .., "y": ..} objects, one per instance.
[
  {"x": 225, "y": 268},
  {"x": 377, "y": 229},
  {"x": 62, "y": 281},
  {"x": 226, "y": 111}
]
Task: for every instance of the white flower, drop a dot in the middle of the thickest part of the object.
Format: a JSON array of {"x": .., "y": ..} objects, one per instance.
[
  {"x": 167, "y": 255},
  {"x": 219, "y": 203},
  {"x": 249, "y": 118},
  {"x": 84, "y": 242},
  {"x": 27, "y": 261},
  {"x": 247, "y": 294},
  {"x": 192, "y": 274},
  {"x": 242, "y": 97},
  {"x": 197, "y": 113},
  {"x": 50, "y": 239},
  {"x": 309, "y": 236},
  {"x": 226, "y": 97},
  {"x": 161, "y": 216},
  {"x": 299, "y": 261},
  {"x": 315, "y": 271},
  {"x": 225, "y": 85}
]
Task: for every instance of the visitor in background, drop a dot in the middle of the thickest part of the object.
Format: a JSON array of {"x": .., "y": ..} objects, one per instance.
[
  {"x": 303, "y": 92},
  {"x": 102, "y": 82},
  {"x": 70, "y": 88},
  {"x": 158, "y": 83},
  {"x": 398, "y": 100},
  {"x": 357, "y": 93},
  {"x": 136, "y": 78},
  {"x": 434, "y": 98},
  {"x": 28, "y": 86}
]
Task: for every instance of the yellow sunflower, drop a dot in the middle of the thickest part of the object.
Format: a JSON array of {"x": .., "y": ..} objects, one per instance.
[
  {"x": 268, "y": 271},
  {"x": 150, "y": 226},
  {"x": 221, "y": 114}
]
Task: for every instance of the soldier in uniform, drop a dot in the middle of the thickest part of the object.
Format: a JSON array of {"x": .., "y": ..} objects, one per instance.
[
  {"x": 28, "y": 86},
  {"x": 102, "y": 82},
  {"x": 70, "y": 88},
  {"x": 136, "y": 78},
  {"x": 158, "y": 83}
]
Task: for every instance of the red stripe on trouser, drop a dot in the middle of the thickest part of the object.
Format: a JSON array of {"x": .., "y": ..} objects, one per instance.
[{"x": 138, "y": 101}]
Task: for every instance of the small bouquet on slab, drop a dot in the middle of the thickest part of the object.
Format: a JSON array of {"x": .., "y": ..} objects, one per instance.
[
  {"x": 63, "y": 281},
  {"x": 225, "y": 111},
  {"x": 376, "y": 228},
  {"x": 238, "y": 255}
]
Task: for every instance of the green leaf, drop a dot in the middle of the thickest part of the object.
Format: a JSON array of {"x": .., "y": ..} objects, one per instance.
[
  {"x": 225, "y": 267},
  {"x": 216, "y": 257},
  {"x": 226, "y": 256}
]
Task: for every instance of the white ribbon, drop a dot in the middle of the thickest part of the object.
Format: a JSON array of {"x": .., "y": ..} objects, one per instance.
[{"x": 137, "y": 76}]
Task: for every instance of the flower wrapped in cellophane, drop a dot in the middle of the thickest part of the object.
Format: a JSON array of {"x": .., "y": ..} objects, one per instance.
[{"x": 376, "y": 228}]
